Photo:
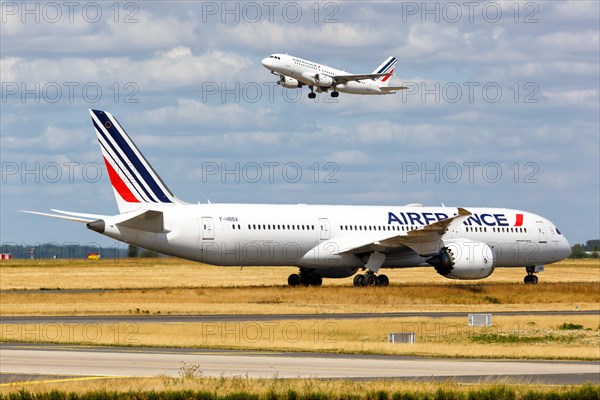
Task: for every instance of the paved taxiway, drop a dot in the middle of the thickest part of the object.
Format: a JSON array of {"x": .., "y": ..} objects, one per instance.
[
  {"x": 57, "y": 360},
  {"x": 134, "y": 318}
]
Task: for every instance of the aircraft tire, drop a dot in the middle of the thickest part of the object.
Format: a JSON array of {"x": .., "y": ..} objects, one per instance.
[
  {"x": 294, "y": 280},
  {"x": 312, "y": 95},
  {"x": 383, "y": 280},
  {"x": 315, "y": 280},
  {"x": 359, "y": 280},
  {"x": 371, "y": 280}
]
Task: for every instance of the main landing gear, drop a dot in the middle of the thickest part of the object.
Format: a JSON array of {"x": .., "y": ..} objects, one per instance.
[
  {"x": 530, "y": 278},
  {"x": 370, "y": 279},
  {"x": 313, "y": 95},
  {"x": 306, "y": 277}
]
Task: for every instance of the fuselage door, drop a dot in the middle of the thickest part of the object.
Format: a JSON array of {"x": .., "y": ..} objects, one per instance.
[
  {"x": 541, "y": 231},
  {"x": 207, "y": 227},
  {"x": 324, "y": 229}
]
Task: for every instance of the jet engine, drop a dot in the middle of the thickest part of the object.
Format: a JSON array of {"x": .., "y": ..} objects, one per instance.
[
  {"x": 464, "y": 259},
  {"x": 323, "y": 81},
  {"x": 289, "y": 83}
]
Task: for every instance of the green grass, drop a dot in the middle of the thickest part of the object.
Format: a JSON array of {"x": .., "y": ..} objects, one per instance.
[
  {"x": 568, "y": 326},
  {"x": 513, "y": 338}
]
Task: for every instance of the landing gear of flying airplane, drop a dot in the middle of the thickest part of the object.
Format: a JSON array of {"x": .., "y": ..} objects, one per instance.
[
  {"x": 312, "y": 94},
  {"x": 335, "y": 94},
  {"x": 370, "y": 279},
  {"x": 530, "y": 278},
  {"x": 305, "y": 278}
]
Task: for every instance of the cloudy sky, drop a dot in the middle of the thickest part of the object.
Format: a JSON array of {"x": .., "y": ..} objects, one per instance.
[{"x": 502, "y": 108}]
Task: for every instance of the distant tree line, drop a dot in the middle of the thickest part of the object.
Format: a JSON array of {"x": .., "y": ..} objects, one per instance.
[
  {"x": 45, "y": 251},
  {"x": 72, "y": 251},
  {"x": 590, "y": 249},
  {"x": 134, "y": 251}
]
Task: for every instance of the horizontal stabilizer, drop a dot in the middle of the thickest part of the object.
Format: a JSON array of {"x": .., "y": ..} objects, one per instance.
[
  {"x": 78, "y": 214},
  {"x": 65, "y": 217}
]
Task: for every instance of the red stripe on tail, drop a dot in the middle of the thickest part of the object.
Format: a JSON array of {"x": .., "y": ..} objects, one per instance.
[
  {"x": 119, "y": 185},
  {"x": 385, "y": 78},
  {"x": 519, "y": 221}
]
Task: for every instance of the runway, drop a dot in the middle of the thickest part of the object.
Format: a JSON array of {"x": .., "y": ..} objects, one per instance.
[
  {"x": 142, "y": 318},
  {"x": 57, "y": 360}
]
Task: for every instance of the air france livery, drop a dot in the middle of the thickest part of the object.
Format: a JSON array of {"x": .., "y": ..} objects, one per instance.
[
  {"x": 323, "y": 241},
  {"x": 294, "y": 72}
]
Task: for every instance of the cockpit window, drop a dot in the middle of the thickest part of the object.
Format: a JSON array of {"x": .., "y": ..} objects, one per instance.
[
  {"x": 557, "y": 231},
  {"x": 275, "y": 57}
]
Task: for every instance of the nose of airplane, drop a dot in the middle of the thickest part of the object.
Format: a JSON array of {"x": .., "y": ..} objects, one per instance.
[
  {"x": 565, "y": 248},
  {"x": 266, "y": 62}
]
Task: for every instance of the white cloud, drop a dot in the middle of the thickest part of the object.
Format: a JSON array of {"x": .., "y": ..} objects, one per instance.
[
  {"x": 586, "y": 97},
  {"x": 53, "y": 138},
  {"x": 349, "y": 157}
]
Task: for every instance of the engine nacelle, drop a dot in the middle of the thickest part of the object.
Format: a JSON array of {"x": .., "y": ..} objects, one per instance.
[
  {"x": 289, "y": 83},
  {"x": 323, "y": 81},
  {"x": 320, "y": 80},
  {"x": 464, "y": 259}
]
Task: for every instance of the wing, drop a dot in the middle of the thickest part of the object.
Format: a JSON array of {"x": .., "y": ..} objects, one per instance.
[
  {"x": 425, "y": 241},
  {"x": 392, "y": 88},
  {"x": 348, "y": 78}
]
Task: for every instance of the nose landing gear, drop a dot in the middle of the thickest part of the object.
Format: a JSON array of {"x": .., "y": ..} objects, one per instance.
[{"x": 531, "y": 278}]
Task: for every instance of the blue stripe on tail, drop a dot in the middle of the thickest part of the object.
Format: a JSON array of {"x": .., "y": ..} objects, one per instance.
[{"x": 130, "y": 154}]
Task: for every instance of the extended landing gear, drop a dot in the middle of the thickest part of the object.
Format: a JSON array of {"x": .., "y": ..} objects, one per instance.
[
  {"x": 312, "y": 94},
  {"x": 305, "y": 278},
  {"x": 335, "y": 94},
  {"x": 370, "y": 279},
  {"x": 532, "y": 279}
]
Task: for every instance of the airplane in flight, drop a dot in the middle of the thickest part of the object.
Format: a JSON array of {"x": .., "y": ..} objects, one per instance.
[
  {"x": 295, "y": 72},
  {"x": 323, "y": 241}
]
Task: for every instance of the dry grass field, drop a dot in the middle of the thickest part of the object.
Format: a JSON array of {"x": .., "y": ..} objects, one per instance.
[
  {"x": 531, "y": 337},
  {"x": 171, "y": 286},
  {"x": 177, "y": 273},
  {"x": 305, "y": 300}
]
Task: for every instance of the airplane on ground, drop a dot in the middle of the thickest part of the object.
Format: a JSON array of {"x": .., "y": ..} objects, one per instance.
[
  {"x": 323, "y": 241},
  {"x": 295, "y": 72}
]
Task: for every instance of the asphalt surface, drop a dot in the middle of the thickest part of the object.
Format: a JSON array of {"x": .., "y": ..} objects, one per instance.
[
  {"x": 23, "y": 362},
  {"x": 166, "y": 318}
]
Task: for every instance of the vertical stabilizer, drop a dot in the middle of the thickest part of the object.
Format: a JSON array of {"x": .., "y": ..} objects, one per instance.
[
  {"x": 134, "y": 181},
  {"x": 386, "y": 67}
]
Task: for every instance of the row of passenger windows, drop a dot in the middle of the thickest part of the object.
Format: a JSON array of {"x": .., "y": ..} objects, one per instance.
[
  {"x": 269, "y": 227},
  {"x": 495, "y": 229},
  {"x": 375, "y": 228},
  {"x": 307, "y": 65},
  {"x": 402, "y": 228}
]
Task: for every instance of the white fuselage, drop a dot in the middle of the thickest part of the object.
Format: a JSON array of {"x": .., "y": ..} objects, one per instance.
[
  {"x": 304, "y": 71},
  {"x": 310, "y": 236}
]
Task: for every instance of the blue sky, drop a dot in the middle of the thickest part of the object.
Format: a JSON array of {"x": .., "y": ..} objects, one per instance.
[{"x": 502, "y": 110}]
